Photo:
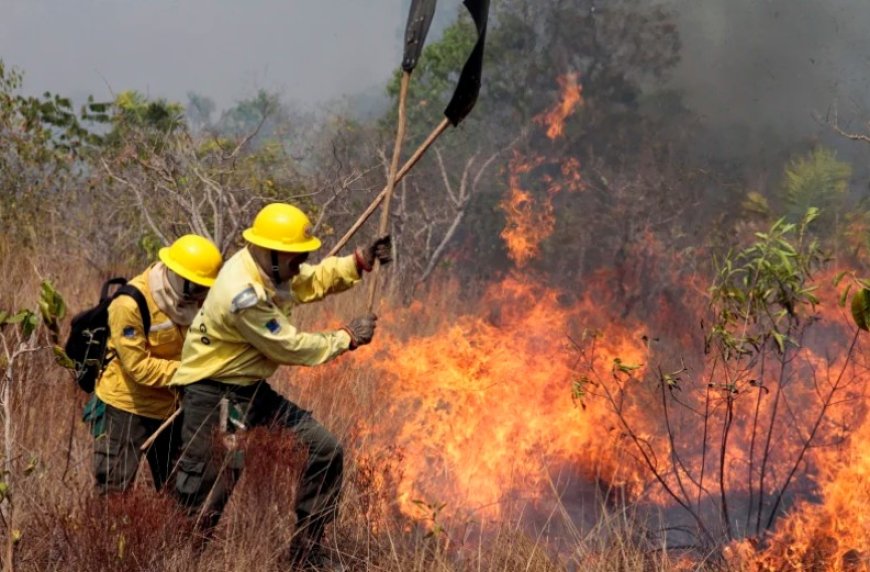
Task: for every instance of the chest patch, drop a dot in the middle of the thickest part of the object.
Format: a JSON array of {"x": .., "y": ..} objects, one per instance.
[
  {"x": 273, "y": 326},
  {"x": 129, "y": 332}
]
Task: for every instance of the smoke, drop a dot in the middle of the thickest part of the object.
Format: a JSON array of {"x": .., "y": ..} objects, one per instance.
[{"x": 760, "y": 73}]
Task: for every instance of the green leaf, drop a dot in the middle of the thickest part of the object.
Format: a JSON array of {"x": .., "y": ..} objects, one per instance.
[
  {"x": 624, "y": 367},
  {"x": 839, "y": 277},
  {"x": 28, "y": 320},
  {"x": 51, "y": 303},
  {"x": 780, "y": 340},
  {"x": 31, "y": 465},
  {"x": 861, "y": 309},
  {"x": 844, "y": 296},
  {"x": 62, "y": 359},
  {"x": 17, "y": 318},
  {"x": 579, "y": 391},
  {"x": 812, "y": 214}
]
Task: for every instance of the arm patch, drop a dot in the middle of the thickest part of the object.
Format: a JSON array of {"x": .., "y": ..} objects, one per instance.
[{"x": 247, "y": 298}]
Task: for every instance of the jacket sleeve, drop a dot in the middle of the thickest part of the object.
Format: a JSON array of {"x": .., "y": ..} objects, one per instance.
[
  {"x": 331, "y": 275},
  {"x": 131, "y": 346},
  {"x": 268, "y": 330}
]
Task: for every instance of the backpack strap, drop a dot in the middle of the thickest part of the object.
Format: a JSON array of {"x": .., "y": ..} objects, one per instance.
[
  {"x": 133, "y": 292},
  {"x": 117, "y": 281}
]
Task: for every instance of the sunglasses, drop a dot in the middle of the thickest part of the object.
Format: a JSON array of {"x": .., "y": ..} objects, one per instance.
[{"x": 193, "y": 290}]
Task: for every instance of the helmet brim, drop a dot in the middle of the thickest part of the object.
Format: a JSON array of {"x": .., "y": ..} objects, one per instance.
[
  {"x": 309, "y": 245},
  {"x": 172, "y": 264}
]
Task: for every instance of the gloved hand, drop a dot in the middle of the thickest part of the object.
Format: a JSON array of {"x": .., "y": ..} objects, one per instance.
[
  {"x": 361, "y": 330},
  {"x": 381, "y": 250}
]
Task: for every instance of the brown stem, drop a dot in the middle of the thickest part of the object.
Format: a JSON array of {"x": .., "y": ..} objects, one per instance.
[
  {"x": 766, "y": 455},
  {"x": 652, "y": 466},
  {"x": 706, "y": 429},
  {"x": 74, "y": 415},
  {"x": 752, "y": 443},
  {"x": 726, "y": 429},
  {"x": 8, "y": 508},
  {"x": 676, "y": 462}
]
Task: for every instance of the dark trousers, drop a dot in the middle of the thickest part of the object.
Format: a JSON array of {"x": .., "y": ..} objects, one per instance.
[
  {"x": 117, "y": 454},
  {"x": 206, "y": 474}
]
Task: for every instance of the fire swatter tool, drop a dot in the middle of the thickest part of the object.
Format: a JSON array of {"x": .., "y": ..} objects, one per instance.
[
  {"x": 464, "y": 98},
  {"x": 419, "y": 20}
]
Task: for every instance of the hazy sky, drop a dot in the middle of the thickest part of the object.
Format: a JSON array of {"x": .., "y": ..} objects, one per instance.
[
  {"x": 310, "y": 50},
  {"x": 746, "y": 64},
  {"x": 751, "y": 60}
]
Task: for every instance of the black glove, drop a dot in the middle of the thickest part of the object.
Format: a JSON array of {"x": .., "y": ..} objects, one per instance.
[
  {"x": 380, "y": 250},
  {"x": 361, "y": 330}
]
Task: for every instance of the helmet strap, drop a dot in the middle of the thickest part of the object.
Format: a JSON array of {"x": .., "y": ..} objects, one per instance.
[
  {"x": 276, "y": 270},
  {"x": 186, "y": 288}
]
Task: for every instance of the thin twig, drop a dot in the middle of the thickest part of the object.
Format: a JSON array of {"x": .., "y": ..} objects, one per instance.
[{"x": 821, "y": 416}]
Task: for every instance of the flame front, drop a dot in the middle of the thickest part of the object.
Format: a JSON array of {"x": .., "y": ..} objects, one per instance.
[{"x": 480, "y": 407}]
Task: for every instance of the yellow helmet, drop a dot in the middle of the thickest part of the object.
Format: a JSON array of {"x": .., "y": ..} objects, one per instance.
[
  {"x": 193, "y": 258},
  {"x": 282, "y": 227}
]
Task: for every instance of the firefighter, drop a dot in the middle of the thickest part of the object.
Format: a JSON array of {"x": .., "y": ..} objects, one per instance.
[
  {"x": 239, "y": 339},
  {"x": 133, "y": 388}
]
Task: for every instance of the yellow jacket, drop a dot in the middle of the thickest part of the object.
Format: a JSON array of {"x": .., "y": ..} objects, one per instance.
[
  {"x": 241, "y": 335},
  {"x": 136, "y": 379}
]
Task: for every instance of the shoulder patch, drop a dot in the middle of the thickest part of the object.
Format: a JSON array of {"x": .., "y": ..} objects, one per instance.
[
  {"x": 273, "y": 326},
  {"x": 247, "y": 298},
  {"x": 129, "y": 332}
]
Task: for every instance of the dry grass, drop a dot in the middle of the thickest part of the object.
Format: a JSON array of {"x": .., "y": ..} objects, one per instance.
[{"x": 62, "y": 526}]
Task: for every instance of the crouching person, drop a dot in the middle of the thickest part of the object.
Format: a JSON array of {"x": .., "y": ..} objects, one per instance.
[
  {"x": 134, "y": 385},
  {"x": 239, "y": 339}
]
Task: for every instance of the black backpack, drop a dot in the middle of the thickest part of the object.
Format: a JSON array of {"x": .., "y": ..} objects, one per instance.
[{"x": 89, "y": 333}]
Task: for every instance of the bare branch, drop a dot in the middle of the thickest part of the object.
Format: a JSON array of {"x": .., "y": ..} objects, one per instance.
[
  {"x": 461, "y": 203},
  {"x": 447, "y": 186},
  {"x": 140, "y": 201}
]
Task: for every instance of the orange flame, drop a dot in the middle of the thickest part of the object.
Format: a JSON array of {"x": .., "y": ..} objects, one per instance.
[
  {"x": 527, "y": 222},
  {"x": 571, "y": 98},
  {"x": 530, "y": 219},
  {"x": 833, "y": 535},
  {"x": 483, "y": 409},
  {"x": 838, "y": 531}
]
